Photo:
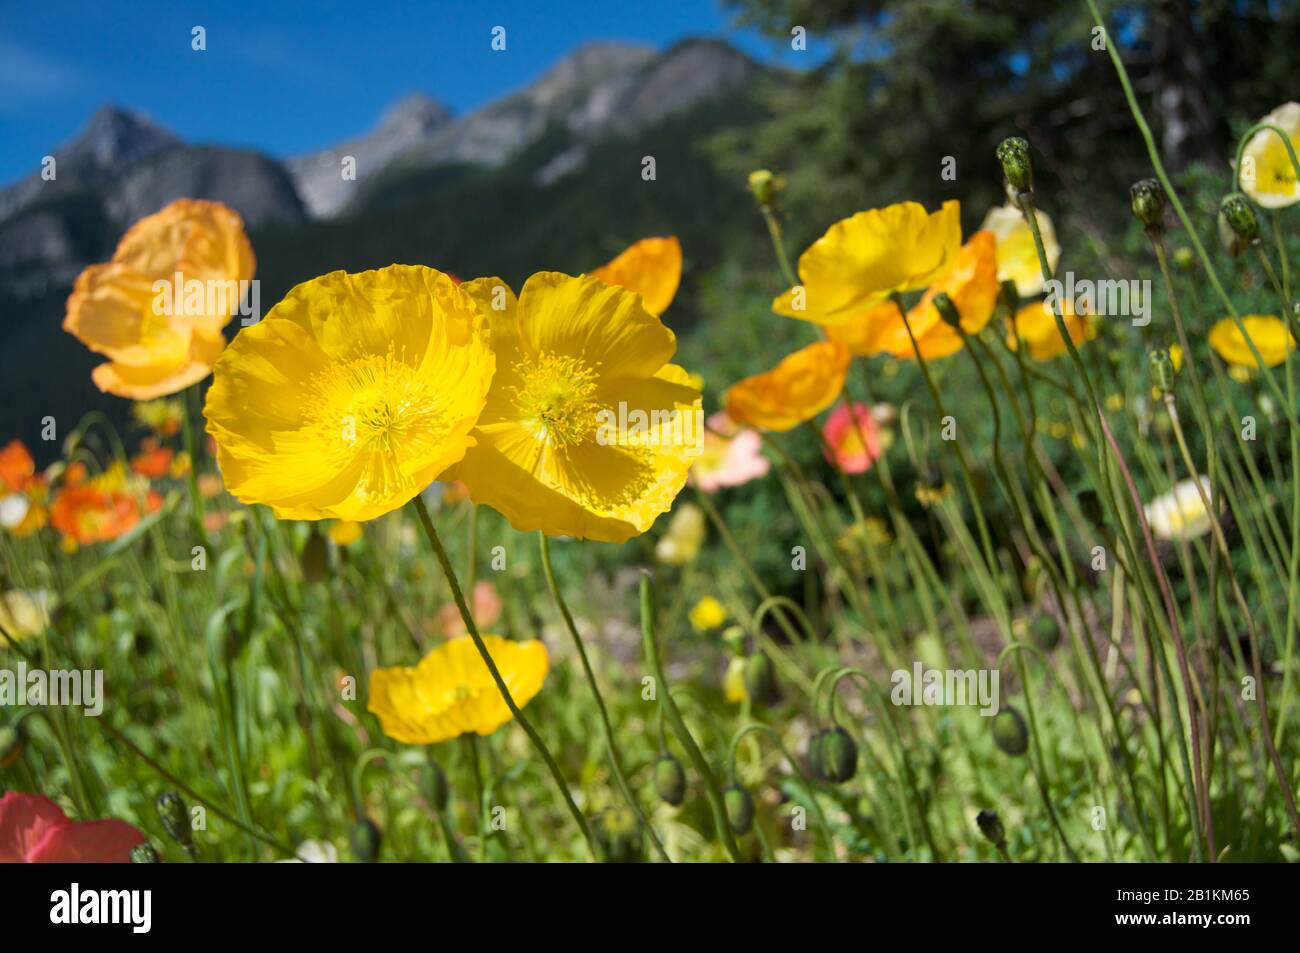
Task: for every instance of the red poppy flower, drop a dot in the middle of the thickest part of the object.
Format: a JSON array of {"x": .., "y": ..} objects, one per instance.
[
  {"x": 33, "y": 830},
  {"x": 853, "y": 440}
]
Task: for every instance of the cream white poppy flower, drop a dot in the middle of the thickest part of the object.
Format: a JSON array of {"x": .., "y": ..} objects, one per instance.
[{"x": 1180, "y": 514}]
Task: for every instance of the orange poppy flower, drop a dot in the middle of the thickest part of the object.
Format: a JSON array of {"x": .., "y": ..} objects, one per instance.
[
  {"x": 74, "y": 474},
  {"x": 862, "y": 334},
  {"x": 157, "y": 309},
  {"x": 651, "y": 267},
  {"x": 16, "y": 465},
  {"x": 102, "y": 509},
  {"x": 22, "y": 492},
  {"x": 153, "y": 461},
  {"x": 799, "y": 388},
  {"x": 971, "y": 283}
]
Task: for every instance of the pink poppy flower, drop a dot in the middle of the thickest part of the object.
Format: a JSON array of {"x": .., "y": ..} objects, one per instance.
[
  {"x": 34, "y": 830},
  {"x": 854, "y": 441},
  {"x": 485, "y": 603},
  {"x": 732, "y": 455}
]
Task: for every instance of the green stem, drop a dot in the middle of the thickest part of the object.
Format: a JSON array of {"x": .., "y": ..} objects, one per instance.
[
  {"x": 192, "y": 478},
  {"x": 778, "y": 244},
  {"x": 470, "y": 744},
  {"x": 560, "y": 605},
  {"x": 468, "y": 618},
  {"x": 669, "y": 708}
]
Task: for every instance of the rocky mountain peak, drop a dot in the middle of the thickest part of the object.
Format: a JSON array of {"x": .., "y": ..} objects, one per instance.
[
  {"x": 588, "y": 65},
  {"x": 413, "y": 113},
  {"x": 114, "y": 136}
]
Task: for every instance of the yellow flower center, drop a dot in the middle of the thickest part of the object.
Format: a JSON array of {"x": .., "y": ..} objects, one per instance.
[
  {"x": 557, "y": 399},
  {"x": 458, "y": 695},
  {"x": 1276, "y": 174},
  {"x": 851, "y": 444},
  {"x": 376, "y": 405}
]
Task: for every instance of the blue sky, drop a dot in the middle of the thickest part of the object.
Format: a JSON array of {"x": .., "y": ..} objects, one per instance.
[{"x": 285, "y": 76}]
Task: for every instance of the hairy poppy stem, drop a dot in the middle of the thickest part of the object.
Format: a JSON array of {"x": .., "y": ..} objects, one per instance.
[
  {"x": 468, "y": 618},
  {"x": 669, "y": 708},
  {"x": 192, "y": 404},
  {"x": 610, "y": 743}
]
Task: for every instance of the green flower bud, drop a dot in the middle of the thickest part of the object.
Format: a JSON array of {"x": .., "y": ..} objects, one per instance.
[
  {"x": 1017, "y": 166},
  {"x": 1184, "y": 258},
  {"x": 733, "y": 637},
  {"x": 670, "y": 779},
  {"x": 435, "y": 786},
  {"x": 1046, "y": 632},
  {"x": 1148, "y": 201},
  {"x": 175, "y": 817},
  {"x": 365, "y": 838},
  {"x": 617, "y": 834},
  {"x": 315, "y": 557},
  {"x": 12, "y": 743},
  {"x": 833, "y": 755},
  {"x": 1161, "y": 368},
  {"x": 947, "y": 309},
  {"x": 1009, "y": 295},
  {"x": 765, "y": 186},
  {"x": 144, "y": 854},
  {"x": 760, "y": 678},
  {"x": 1238, "y": 225},
  {"x": 1010, "y": 733},
  {"x": 740, "y": 809},
  {"x": 990, "y": 826}
]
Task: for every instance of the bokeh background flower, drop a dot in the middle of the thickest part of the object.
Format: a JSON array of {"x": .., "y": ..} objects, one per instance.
[
  {"x": 450, "y": 692},
  {"x": 138, "y": 309}
]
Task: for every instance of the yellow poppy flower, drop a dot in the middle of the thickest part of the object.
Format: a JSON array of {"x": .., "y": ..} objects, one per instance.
[
  {"x": 22, "y": 514},
  {"x": 971, "y": 283},
  {"x": 799, "y": 388},
  {"x": 161, "y": 341},
  {"x": 707, "y": 614},
  {"x": 451, "y": 692},
  {"x": 733, "y": 683},
  {"x": 1017, "y": 256},
  {"x": 686, "y": 531},
  {"x": 344, "y": 532},
  {"x": 23, "y": 614},
  {"x": 651, "y": 267},
  {"x": 1267, "y": 175},
  {"x": 588, "y": 431},
  {"x": 352, "y": 395},
  {"x": 1269, "y": 333},
  {"x": 864, "y": 259},
  {"x": 1035, "y": 324}
]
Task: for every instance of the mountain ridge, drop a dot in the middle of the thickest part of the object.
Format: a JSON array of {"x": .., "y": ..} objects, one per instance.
[{"x": 568, "y": 196}]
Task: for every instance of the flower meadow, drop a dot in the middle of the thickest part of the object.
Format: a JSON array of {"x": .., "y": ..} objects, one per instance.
[{"x": 424, "y": 567}]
